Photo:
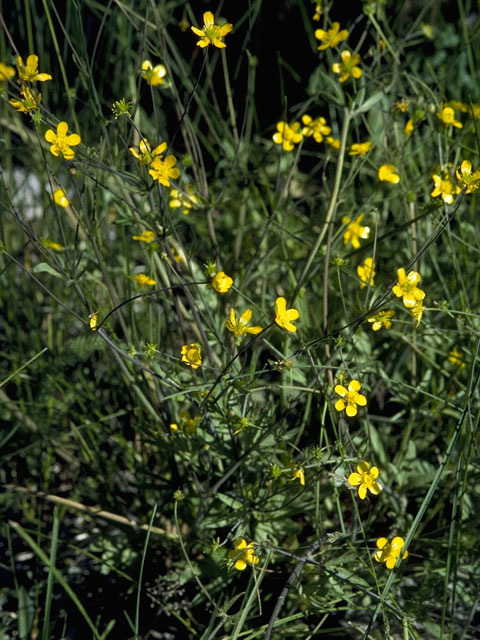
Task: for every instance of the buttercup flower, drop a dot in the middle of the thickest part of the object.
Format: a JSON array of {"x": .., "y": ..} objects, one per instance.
[
  {"x": 154, "y": 75},
  {"x": 447, "y": 116},
  {"x": 60, "y": 142},
  {"x": 347, "y": 67},
  {"x": 284, "y": 316},
  {"x": 444, "y": 187},
  {"x": 162, "y": 169},
  {"x": 192, "y": 355},
  {"x": 389, "y": 552},
  {"x": 318, "y": 11},
  {"x": 332, "y": 37},
  {"x": 29, "y": 72},
  {"x": 456, "y": 357},
  {"x": 316, "y": 128},
  {"x": 186, "y": 200},
  {"x": 243, "y": 554},
  {"x": 93, "y": 321},
  {"x": 354, "y": 231},
  {"x": 143, "y": 280},
  {"x": 417, "y": 312},
  {"x": 466, "y": 178},
  {"x": 187, "y": 424},
  {"x": 288, "y": 136},
  {"x": 333, "y": 142},
  {"x": 6, "y": 72},
  {"x": 52, "y": 245},
  {"x": 239, "y": 326},
  {"x": 221, "y": 282},
  {"x": 29, "y": 103},
  {"x": 387, "y": 173},
  {"x": 349, "y": 398},
  {"x": 365, "y": 479},
  {"x": 408, "y": 128},
  {"x": 145, "y": 236},
  {"x": 407, "y": 289},
  {"x": 381, "y": 319},
  {"x": 298, "y": 474},
  {"x": 60, "y": 198},
  {"x": 145, "y": 155},
  {"x": 360, "y": 148},
  {"x": 366, "y": 273},
  {"x": 211, "y": 33}
]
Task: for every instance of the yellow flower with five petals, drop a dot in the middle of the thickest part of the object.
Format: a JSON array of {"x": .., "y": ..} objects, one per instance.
[
  {"x": 348, "y": 66},
  {"x": 211, "y": 32},
  {"x": 239, "y": 326},
  {"x": 153, "y": 75},
  {"x": 466, "y": 178},
  {"x": 366, "y": 273},
  {"x": 243, "y": 554},
  {"x": 389, "y": 552},
  {"x": 192, "y": 355},
  {"x": 163, "y": 170},
  {"x": 355, "y": 231},
  {"x": 61, "y": 142},
  {"x": 30, "y": 101},
  {"x": 381, "y": 320},
  {"x": 288, "y": 135},
  {"x": 332, "y": 37},
  {"x": 316, "y": 128},
  {"x": 365, "y": 479},
  {"x": 447, "y": 116},
  {"x": 388, "y": 173},
  {"x": 350, "y": 398},
  {"x": 29, "y": 72},
  {"x": 406, "y": 288},
  {"x": 444, "y": 187}
]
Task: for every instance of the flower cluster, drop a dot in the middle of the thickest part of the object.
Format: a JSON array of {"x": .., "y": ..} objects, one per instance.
[
  {"x": 161, "y": 169},
  {"x": 28, "y": 74}
]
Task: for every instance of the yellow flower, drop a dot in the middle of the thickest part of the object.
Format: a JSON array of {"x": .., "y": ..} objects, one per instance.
[
  {"x": 145, "y": 236},
  {"x": 60, "y": 198},
  {"x": 211, "y": 33},
  {"x": 447, "y": 116},
  {"x": 366, "y": 273},
  {"x": 185, "y": 199},
  {"x": 332, "y": 37},
  {"x": 466, "y": 178},
  {"x": 444, "y": 187},
  {"x": 29, "y": 103},
  {"x": 145, "y": 155},
  {"x": 389, "y": 552},
  {"x": 288, "y": 136},
  {"x": 318, "y": 11},
  {"x": 284, "y": 316},
  {"x": 163, "y": 169},
  {"x": 52, "y": 245},
  {"x": 386, "y": 173},
  {"x": 29, "y": 72},
  {"x": 93, "y": 321},
  {"x": 360, "y": 148},
  {"x": 381, "y": 319},
  {"x": 355, "y": 231},
  {"x": 187, "y": 423},
  {"x": 6, "y": 72},
  {"x": 143, "y": 280},
  {"x": 349, "y": 398},
  {"x": 456, "y": 357},
  {"x": 298, "y": 473},
  {"x": 192, "y": 355},
  {"x": 154, "y": 75},
  {"x": 408, "y": 129},
  {"x": 417, "y": 312},
  {"x": 243, "y": 554},
  {"x": 239, "y": 326},
  {"x": 221, "y": 282},
  {"x": 333, "y": 142},
  {"x": 347, "y": 67},
  {"x": 316, "y": 128},
  {"x": 365, "y": 478},
  {"x": 60, "y": 142},
  {"x": 402, "y": 105},
  {"x": 407, "y": 289}
]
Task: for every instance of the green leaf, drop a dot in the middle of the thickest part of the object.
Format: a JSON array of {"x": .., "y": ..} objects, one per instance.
[{"x": 44, "y": 267}]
